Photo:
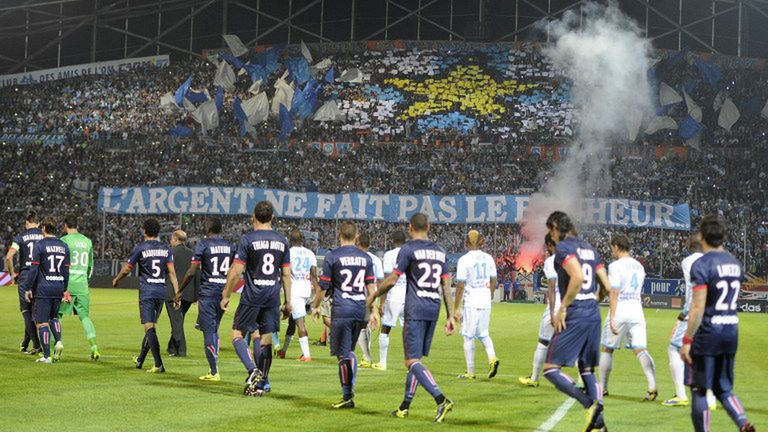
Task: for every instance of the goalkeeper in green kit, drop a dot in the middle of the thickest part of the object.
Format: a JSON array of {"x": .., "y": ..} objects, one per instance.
[{"x": 81, "y": 268}]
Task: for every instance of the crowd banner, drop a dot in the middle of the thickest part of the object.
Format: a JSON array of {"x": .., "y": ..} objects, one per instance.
[
  {"x": 98, "y": 68},
  {"x": 449, "y": 209},
  {"x": 31, "y": 138},
  {"x": 664, "y": 287}
]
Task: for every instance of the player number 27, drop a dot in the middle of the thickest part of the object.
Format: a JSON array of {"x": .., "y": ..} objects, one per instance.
[
  {"x": 431, "y": 276},
  {"x": 722, "y": 303}
]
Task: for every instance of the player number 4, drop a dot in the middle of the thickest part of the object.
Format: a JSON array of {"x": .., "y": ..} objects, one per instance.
[{"x": 722, "y": 303}]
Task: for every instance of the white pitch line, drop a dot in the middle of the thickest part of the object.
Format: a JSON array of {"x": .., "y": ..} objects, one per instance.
[{"x": 557, "y": 416}]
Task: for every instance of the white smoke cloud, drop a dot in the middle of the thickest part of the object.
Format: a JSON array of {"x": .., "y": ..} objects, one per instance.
[{"x": 606, "y": 59}]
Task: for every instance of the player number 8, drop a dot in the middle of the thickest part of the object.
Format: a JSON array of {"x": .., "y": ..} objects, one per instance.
[{"x": 269, "y": 264}]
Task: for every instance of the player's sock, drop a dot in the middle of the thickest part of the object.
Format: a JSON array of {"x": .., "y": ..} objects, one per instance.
[
  {"x": 264, "y": 361},
  {"x": 211, "y": 351},
  {"x": 55, "y": 326},
  {"x": 154, "y": 346},
  {"x": 347, "y": 375},
  {"x": 677, "y": 367},
  {"x": 90, "y": 330},
  {"x": 144, "y": 349},
  {"x": 304, "y": 344},
  {"x": 488, "y": 345},
  {"x": 411, "y": 384},
  {"x": 276, "y": 339},
  {"x": 733, "y": 407},
  {"x": 699, "y": 411},
  {"x": 425, "y": 378},
  {"x": 364, "y": 341},
  {"x": 539, "y": 357},
  {"x": 469, "y": 355},
  {"x": 565, "y": 384},
  {"x": 256, "y": 349},
  {"x": 593, "y": 389},
  {"x": 287, "y": 343},
  {"x": 649, "y": 368},
  {"x": 241, "y": 348},
  {"x": 45, "y": 340},
  {"x": 383, "y": 349},
  {"x": 606, "y": 366}
]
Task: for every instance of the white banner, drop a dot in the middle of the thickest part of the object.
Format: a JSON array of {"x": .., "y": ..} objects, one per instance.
[{"x": 99, "y": 68}]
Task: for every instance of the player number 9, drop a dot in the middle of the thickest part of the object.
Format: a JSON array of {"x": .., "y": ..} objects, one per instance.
[{"x": 586, "y": 270}]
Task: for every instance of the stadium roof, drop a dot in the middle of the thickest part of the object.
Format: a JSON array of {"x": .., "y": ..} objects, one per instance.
[{"x": 40, "y": 34}]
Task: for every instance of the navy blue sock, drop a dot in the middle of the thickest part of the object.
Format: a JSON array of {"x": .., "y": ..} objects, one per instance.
[
  {"x": 211, "y": 351},
  {"x": 411, "y": 384},
  {"x": 566, "y": 385},
  {"x": 699, "y": 410},
  {"x": 256, "y": 349},
  {"x": 264, "y": 363},
  {"x": 55, "y": 325},
  {"x": 144, "y": 349},
  {"x": 346, "y": 378},
  {"x": 154, "y": 346},
  {"x": 733, "y": 406},
  {"x": 241, "y": 348},
  {"x": 30, "y": 330},
  {"x": 591, "y": 386},
  {"x": 424, "y": 376},
  {"x": 45, "y": 340}
]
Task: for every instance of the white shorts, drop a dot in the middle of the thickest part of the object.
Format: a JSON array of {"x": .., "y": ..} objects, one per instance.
[
  {"x": 630, "y": 332},
  {"x": 546, "y": 331},
  {"x": 392, "y": 311},
  {"x": 299, "y": 307},
  {"x": 475, "y": 322},
  {"x": 678, "y": 333}
]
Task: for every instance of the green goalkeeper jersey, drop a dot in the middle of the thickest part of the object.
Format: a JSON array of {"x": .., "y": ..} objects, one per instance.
[{"x": 81, "y": 262}]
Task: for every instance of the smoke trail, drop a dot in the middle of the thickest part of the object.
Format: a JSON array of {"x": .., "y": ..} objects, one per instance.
[{"x": 606, "y": 60}]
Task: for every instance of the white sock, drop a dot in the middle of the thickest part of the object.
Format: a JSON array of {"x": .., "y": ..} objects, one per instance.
[
  {"x": 469, "y": 354},
  {"x": 304, "y": 344},
  {"x": 649, "y": 368},
  {"x": 606, "y": 365},
  {"x": 488, "y": 345},
  {"x": 539, "y": 357},
  {"x": 287, "y": 343},
  {"x": 677, "y": 367},
  {"x": 364, "y": 341},
  {"x": 383, "y": 348}
]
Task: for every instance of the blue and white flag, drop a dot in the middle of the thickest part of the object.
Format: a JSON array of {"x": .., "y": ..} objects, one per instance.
[{"x": 181, "y": 92}]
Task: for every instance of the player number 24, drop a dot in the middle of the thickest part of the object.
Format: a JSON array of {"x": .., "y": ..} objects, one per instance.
[
  {"x": 358, "y": 284},
  {"x": 722, "y": 304}
]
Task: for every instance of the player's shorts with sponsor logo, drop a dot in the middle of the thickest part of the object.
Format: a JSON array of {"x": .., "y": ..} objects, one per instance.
[
  {"x": 579, "y": 341},
  {"x": 631, "y": 333},
  {"x": 150, "y": 309},
  {"x": 475, "y": 322},
  {"x": 546, "y": 331},
  {"x": 417, "y": 338},
  {"x": 249, "y": 318},
  {"x": 676, "y": 340},
  {"x": 711, "y": 372},
  {"x": 344, "y": 334},
  {"x": 45, "y": 309},
  {"x": 393, "y": 311},
  {"x": 299, "y": 307},
  {"x": 209, "y": 313},
  {"x": 80, "y": 305}
]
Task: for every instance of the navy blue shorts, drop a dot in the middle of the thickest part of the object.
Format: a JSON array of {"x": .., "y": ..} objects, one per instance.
[
  {"x": 579, "y": 341},
  {"x": 417, "y": 338},
  {"x": 344, "y": 334},
  {"x": 711, "y": 372},
  {"x": 248, "y": 319},
  {"x": 209, "y": 314},
  {"x": 45, "y": 309},
  {"x": 149, "y": 310}
]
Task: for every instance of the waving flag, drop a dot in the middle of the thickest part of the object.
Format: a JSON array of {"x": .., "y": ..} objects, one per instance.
[
  {"x": 257, "y": 72},
  {"x": 268, "y": 59},
  {"x": 225, "y": 77},
  {"x": 709, "y": 71},
  {"x": 329, "y": 75},
  {"x": 240, "y": 115},
  {"x": 689, "y": 127},
  {"x": 181, "y": 92},
  {"x": 234, "y": 61},
  {"x": 219, "y": 98},
  {"x": 298, "y": 68},
  {"x": 235, "y": 45},
  {"x": 286, "y": 123}
]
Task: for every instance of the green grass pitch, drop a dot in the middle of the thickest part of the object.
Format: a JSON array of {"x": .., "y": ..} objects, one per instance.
[{"x": 111, "y": 395}]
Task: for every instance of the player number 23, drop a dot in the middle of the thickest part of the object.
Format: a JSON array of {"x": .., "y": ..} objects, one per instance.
[{"x": 431, "y": 276}]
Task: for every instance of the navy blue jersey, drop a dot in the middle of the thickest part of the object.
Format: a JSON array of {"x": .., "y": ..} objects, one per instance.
[
  {"x": 25, "y": 244},
  {"x": 264, "y": 253},
  {"x": 346, "y": 272},
  {"x": 153, "y": 258},
  {"x": 719, "y": 273},
  {"x": 214, "y": 255},
  {"x": 423, "y": 263},
  {"x": 585, "y": 303},
  {"x": 49, "y": 269}
]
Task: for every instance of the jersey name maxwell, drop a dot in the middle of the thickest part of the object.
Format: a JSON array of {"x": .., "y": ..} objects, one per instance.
[
  {"x": 352, "y": 261},
  {"x": 729, "y": 270},
  {"x": 55, "y": 250},
  {"x": 268, "y": 244},
  {"x": 149, "y": 253},
  {"x": 586, "y": 254},
  {"x": 429, "y": 254}
]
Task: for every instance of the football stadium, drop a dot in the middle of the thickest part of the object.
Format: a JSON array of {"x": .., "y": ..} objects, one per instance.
[{"x": 512, "y": 215}]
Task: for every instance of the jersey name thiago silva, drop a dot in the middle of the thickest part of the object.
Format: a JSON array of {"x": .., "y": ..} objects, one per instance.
[{"x": 264, "y": 254}]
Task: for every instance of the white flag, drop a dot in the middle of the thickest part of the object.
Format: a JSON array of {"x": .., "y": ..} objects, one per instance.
[
  {"x": 207, "y": 115},
  {"x": 352, "y": 75},
  {"x": 323, "y": 64},
  {"x": 235, "y": 45},
  {"x": 225, "y": 77},
  {"x": 668, "y": 95},
  {"x": 168, "y": 100},
  {"x": 660, "y": 122},
  {"x": 328, "y": 112},
  {"x": 256, "y": 108},
  {"x": 305, "y": 52},
  {"x": 729, "y": 115},
  {"x": 764, "y": 112},
  {"x": 634, "y": 121},
  {"x": 693, "y": 109},
  {"x": 255, "y": 88},
  {"x": 283, "y": 96}
]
